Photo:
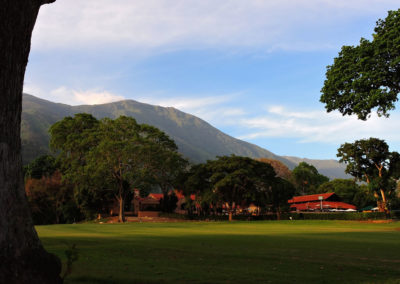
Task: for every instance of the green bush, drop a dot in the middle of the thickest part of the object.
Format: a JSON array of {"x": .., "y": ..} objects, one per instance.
[
  {"x": 295, "y": 216},
  {"x": 395, "y": 214}
]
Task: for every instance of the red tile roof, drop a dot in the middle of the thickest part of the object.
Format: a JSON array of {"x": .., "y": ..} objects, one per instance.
[
  {"x": 180, "y": 195},
  {"x": 309, "y": 198},
  {"x": 157, "y": 196},
  {"x": 325, "y": 205}
]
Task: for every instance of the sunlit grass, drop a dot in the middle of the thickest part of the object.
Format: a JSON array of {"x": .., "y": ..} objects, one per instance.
[{"x": 238, "y": 252}]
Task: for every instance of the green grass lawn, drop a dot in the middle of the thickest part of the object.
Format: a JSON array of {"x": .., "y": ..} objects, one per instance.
[{"x": 237, "y": 252}]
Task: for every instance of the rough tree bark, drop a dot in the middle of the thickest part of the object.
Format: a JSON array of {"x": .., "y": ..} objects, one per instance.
[{"x": 22, "y": 257}]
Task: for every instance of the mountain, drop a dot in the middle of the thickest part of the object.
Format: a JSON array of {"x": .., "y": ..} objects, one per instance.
[
  {"x": 329, "y": 168},
  {"x": 196, "y": 139}
]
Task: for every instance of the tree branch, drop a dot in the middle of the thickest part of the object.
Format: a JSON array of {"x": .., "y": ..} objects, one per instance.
[{"x": 42, "y": 2}]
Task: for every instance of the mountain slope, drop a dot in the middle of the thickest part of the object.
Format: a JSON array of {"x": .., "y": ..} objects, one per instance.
[
  {"x": 329, "y": 168},
  {"x": 196, "y": 139}
]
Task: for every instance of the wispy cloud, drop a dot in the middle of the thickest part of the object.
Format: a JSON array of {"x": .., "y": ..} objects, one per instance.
[
  {"x": 213, "y": 108},
  {"x": 74, "y": 97},
  {"x": 197, "y": 24},
  {"x": 318, "y": 126},
  {"x": 188, "y": 103}
]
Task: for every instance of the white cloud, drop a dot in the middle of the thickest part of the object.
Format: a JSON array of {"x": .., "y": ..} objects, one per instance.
[
  {"x": 74, "y": 97},
  {"x": 270, "y": 25},
  {"x": 318, "y": 126},
  {"x": 277, "y": 121},
  {"x": 188, "y": 104},
  {"x": 214, "y": 109},
  {"x": 93, "y": 97}
]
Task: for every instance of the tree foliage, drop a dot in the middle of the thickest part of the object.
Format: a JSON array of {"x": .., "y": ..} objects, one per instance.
[
  {"x": 367, "y": 76},
  {"x": 51, "y": 200},
  {"x": 280, "y": 168},
  {"x": 349, "y": 191},
  {"x": 43, "y": 166},
  {"x": 233, "y": 181},
  {"x": 307, "y": 178},
  {"x": 370, "y": 160},
  {"x": 111, "y": 157},
  {"x": 240, "y": 180}
]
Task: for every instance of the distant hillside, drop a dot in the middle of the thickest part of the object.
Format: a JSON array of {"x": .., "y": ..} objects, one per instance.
[
  {"x": 196, "y": 139},
  {"x": 329, "y": 168}
]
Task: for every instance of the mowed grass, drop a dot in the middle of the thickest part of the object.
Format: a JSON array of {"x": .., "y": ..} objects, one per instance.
[{"x": 236, "y": 252}]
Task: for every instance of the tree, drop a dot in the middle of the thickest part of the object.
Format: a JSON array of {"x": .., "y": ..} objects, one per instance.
[
  {"x": 113, "y": 156},
  {"x": 42, "y": 166},
  {"x": 165, "y": 165},
  {"x": 307, "y": 178},
  {"x": 51, "y": 201},
  {"x": 22, "y": 257},
  {"x": 280, "y": 168},
  {"x": 280, "y": 192},
  {"x": 72, "y": 138},
  {"x": 369, "y": 160},
  {"x": 196, "y": 181},
  {"x": 349, "y": 191},
  {"x": 367, "y": 76},
  {"x": 240, "y": 180}
]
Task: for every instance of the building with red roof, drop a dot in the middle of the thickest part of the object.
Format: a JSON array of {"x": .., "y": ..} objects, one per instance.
[
  {"x": 320, "y": 202},
  {"x": 152, "y": 202}
]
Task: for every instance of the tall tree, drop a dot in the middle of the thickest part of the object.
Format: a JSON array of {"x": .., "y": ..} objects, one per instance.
[
  {"x": 280, "y": 168},
  {"x": 366, "y": 77},
  {"x": 167, "y": 168},
  {"x": 240, "y": 181},
  {"x": 42, "y": 166},
  {"x": 72, "y": 138},
  {"x": 369, "y": 160},
  {"x": 196, "y": 181},
  {"x": 22, "y": 257},
  {"x": 307, "y": 178},
  {"x": 349, "y": 191},
  {"x": 114, "y": 156},
  {"x": 279, "y": 193}
]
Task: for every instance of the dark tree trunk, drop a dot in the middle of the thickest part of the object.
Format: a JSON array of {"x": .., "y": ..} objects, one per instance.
[
  {"x": 278, "y": 213},
  {"x": 121, "y": 214},
  {"x": 22, "y": 257}
]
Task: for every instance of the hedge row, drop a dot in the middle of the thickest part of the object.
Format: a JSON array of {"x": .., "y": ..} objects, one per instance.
[
  {"x": 292, "y": 216},
  {"x": 335, "y": 216}
]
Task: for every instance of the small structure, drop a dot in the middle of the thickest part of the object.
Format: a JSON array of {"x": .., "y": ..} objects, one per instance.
[
  {"x": 319, "y": 202},
  {"x": 151, "y": 203}
]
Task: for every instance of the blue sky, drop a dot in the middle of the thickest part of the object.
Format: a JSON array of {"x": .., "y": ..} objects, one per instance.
[{"x": 251, "y": 68}]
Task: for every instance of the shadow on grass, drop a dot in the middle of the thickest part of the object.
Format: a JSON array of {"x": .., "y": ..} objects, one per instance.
[
  {"x": 123, "y": 257},
  {"x": 98, "y": 280}
]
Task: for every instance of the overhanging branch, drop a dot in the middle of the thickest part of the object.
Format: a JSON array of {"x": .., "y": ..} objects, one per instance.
[{"x": 42, "y": 2}]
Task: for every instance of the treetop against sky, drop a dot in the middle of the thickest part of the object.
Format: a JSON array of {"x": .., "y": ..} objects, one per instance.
[{"x": 254, "y": 69}]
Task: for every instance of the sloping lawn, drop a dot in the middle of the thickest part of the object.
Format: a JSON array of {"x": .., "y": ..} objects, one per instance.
[{"x": 223, "y": 252}]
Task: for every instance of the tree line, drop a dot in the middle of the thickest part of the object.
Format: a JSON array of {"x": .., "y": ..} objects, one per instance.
[{"x": 99, "y": 163}]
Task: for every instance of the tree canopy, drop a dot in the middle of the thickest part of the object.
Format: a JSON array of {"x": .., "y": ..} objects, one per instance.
[
  {"x": 280, "y": 168},
  {"x": 366, "y": 77},
  {"x": 370, "y": 160},
  {"x": 349, "y": 191},
  {"x": 42, "y": 166},
  {"x": 233, "y": 182},
  {"x": 307, "y": 178},
  {"x": 240, "y": 180},
  {"x": 113, "y": 157}
]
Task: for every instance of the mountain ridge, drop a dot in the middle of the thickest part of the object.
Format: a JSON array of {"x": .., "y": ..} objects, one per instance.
[{"x": 196, "y": 139}]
